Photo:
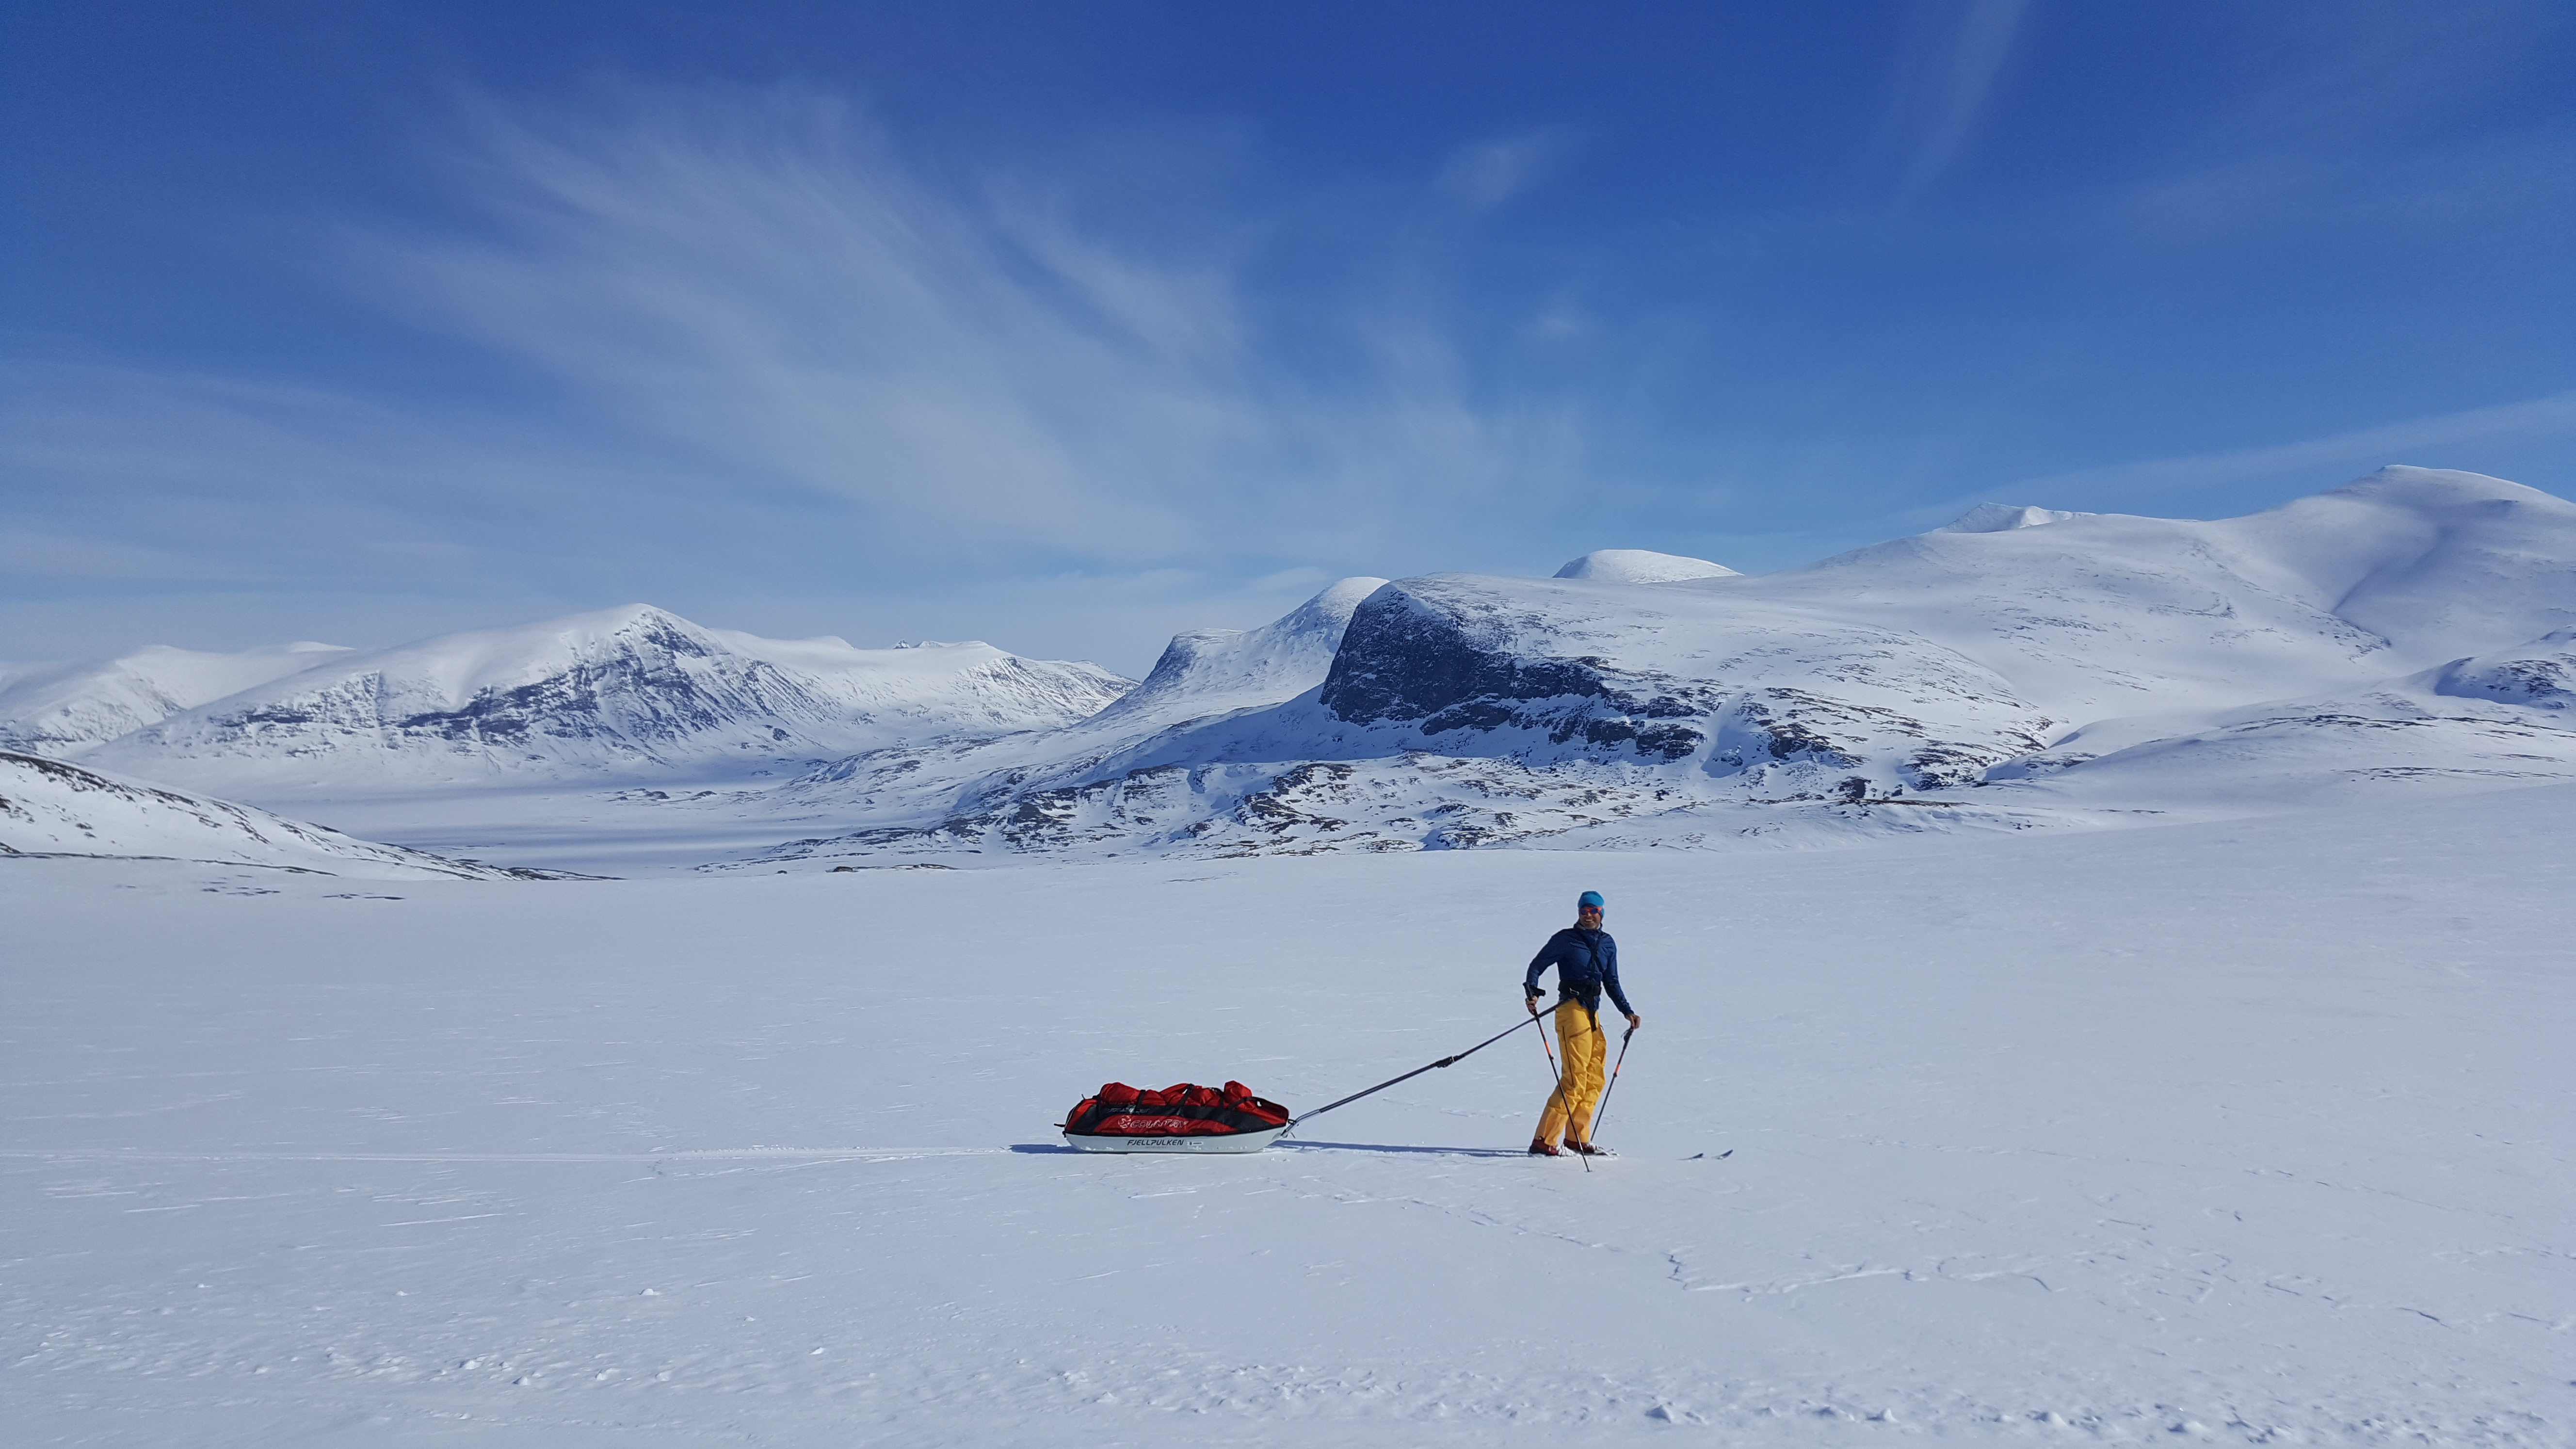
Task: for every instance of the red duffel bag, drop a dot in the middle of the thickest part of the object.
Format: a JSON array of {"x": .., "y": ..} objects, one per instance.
[{"x": 1181, "y": 1110}]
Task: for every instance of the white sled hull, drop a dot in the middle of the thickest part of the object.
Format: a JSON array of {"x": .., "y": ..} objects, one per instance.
[{"x": 1221, "y": 1142}]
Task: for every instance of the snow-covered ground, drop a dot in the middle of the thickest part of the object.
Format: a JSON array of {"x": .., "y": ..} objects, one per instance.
[
  {"x": 2249, "y": 1131},
  {"x": 51, "y": 808}
]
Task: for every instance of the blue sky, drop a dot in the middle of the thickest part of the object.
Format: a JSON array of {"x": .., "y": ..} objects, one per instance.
[{"x": 1067, "y": 326}]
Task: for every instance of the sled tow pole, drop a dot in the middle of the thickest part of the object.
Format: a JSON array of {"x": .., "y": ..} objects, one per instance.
[{"x": 1417, "y": 1071}]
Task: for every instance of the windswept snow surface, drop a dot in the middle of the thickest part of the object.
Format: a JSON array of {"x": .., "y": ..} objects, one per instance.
[
  {"x": 50, "y": 807},
  {"x": 2240, "y": 1133}
]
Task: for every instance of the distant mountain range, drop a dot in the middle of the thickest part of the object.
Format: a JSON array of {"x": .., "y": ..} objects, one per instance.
[
  {"x": 2021, "y": 667},
  {"x": 61, "y": 709},
  {"x": 625, "y": 691}
]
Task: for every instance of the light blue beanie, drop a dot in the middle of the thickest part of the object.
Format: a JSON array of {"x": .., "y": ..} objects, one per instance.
[{"x": 1589, "y": 898}]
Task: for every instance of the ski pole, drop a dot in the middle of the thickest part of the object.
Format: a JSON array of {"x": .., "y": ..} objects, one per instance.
[
  {"x": 1614, "y": 1082},
  {"x": 1553, "y": 1069},
  {"x": 1418, "y": 1071}
]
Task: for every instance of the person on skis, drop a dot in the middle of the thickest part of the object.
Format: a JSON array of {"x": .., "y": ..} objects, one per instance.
[{"x": 1587, "y": 964}]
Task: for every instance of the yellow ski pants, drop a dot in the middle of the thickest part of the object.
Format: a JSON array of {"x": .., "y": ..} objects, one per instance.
[{"x": 1585, "y": 1051}]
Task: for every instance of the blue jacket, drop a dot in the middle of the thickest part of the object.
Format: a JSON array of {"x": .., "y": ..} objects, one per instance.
[{"x": 1586, "y": 962}]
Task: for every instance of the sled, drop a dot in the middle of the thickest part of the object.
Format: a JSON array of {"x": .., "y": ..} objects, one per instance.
[
  {"x": 1190, "y": 1118},
  {"x": 1227, "y": 1142},
  {"x": 1181, "y": 1118}
]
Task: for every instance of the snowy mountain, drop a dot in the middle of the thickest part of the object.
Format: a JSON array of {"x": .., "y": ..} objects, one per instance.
[
  {"x": 1203, "y": 677},
  {"x": 625, "y": 692},
  {"x": 2022, "y": 667},
  {"x": 1997, "y": 517},
  {"x": 1213, "y": 671},
  {"x": 1641, "y": 566},
  {"x": 62, "y": 709},
  {"x": 2003, "y": 672},
  {"x": 49, "y": 807}
]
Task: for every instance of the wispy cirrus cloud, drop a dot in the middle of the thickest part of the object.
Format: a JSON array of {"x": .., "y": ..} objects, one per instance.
[
  {"x": 740, "y": 335},
  {"x": 183, "y": 478},
  {"x": 2286, "y": 192},
  {"x": 1487, "y": 174},
  {"x": 2539, "y": 417},
  {"x": 733, "y": 343},
  {"x": 1953, "y": 79},
  {"x": 763, "y": 282}
]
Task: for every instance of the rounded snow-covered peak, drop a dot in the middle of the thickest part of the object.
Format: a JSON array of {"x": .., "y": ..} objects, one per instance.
[
  {"x": 1641, "y": 566},
  {"x": 625, "y": 619},
  {"x": 448, "y": 671},
  {"x": 1328, "y": 612},
  {"x": 2398, "y": 485},
  {"x": 1343, "y": 597},
  {"x": 2004, "y": 517}
]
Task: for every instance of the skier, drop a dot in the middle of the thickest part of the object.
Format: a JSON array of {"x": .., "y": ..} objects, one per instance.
[{"x": 1587, "y": 963}]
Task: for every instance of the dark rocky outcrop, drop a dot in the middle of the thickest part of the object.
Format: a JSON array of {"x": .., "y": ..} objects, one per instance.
[
  {"x": 1403, "y": 658},
  {"x": 1410, "y": 660}
]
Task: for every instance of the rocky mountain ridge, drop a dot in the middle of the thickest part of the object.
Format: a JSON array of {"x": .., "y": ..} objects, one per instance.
[{"x": 631, "y": 692}]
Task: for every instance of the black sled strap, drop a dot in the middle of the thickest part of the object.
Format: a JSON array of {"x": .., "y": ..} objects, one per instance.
[{"x": 1417, "y": 1071}]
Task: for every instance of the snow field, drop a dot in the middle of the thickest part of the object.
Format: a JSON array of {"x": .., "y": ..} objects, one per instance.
[
  {"x": 48, "y": 807},
  {"x": 2251, "y": 1131}
]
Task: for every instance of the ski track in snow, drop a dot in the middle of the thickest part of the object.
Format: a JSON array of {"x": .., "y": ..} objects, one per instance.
[{"x": 2244, "y": 1132}]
